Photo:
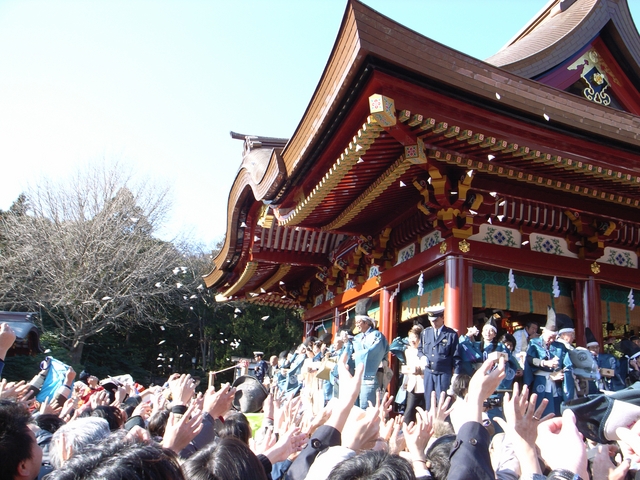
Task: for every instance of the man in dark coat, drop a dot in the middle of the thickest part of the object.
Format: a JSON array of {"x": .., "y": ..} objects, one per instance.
[{"x": 439, "y": 355}]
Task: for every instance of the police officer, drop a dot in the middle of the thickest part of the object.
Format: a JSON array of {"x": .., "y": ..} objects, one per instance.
[
  {"x": 262, "y": 368},
  {"x": 438, "y": 354}
]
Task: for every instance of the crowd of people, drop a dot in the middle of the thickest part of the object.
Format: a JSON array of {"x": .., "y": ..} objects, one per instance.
[{"x": 483, "y": 405}]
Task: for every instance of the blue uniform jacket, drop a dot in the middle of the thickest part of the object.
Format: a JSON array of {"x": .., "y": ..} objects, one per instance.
[
  {"x": 536, "y": 350},
  {"x": 606, "y": 360},
  {"x": 442, "y": 355},
  {"x": 261, "y": 370},
  {"x": 561, "y": 351},
  {"x": 370, "y": 348},
  {"x": 337, "y": 356}
]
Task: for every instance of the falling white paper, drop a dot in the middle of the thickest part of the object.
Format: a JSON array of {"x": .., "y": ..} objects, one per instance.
[
  {"x": 632, "y": 302},
  {"x": 546, "y": 117}
]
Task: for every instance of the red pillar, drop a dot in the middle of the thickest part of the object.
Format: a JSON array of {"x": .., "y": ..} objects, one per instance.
[
  {"x": 389, "y": 328},
  {"x": 458, "y": 293},
  {"x": 588, "y": 310}
]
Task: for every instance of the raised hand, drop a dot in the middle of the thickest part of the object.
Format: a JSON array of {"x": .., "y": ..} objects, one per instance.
[
  {"x": 13, "y": 389},
  {"x": 603, "y": 467},
  {"x": 289, "y": 443},
  {"x": 439, "y": 409},
  {"x": 99, "y": 399},
  {"x": 7, "y": 337},
  {"x": 218, "y": 403},
  {"x": 143, "y": 410},
  {"x": 417, "y": 435},
  {"x": 522, "y": 423},
  {"x": 180, "y": 431},
  {"x": 561, "y": 444},
  {"x": 363, "y": 433},
  {"x": 182, "y": 389}
]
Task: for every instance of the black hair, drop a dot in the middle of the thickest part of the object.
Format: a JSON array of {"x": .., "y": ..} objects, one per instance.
[
  {"x": 49, "y": 422},
  {"x": 236, "y": 425},
  {"x": 373, "y": 465},
  {"x": 118, "y": 458},
  {"x": 460, "y": 385},
  {"x": 16, "y": 440},
  {"x": 113, "y": 415},
  {"x": 226, "y": 459},
  {"x": 158, "y": 422},
  {"x": 438, "y": 454},
  {"x": 508, "y": 338}
]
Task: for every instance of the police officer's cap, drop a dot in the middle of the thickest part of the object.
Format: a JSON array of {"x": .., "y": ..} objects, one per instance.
[{"x": 435, "y": 311}]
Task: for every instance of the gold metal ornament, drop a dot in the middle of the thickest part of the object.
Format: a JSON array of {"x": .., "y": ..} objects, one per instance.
[
  {"x": 464, "y": 246},
  {"x": 443, "y": 247},
  {"x": 595, "y": 268}
]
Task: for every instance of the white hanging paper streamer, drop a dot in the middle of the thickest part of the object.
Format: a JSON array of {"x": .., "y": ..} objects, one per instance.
[
  {"x": 512, "y": 281},
  {"x": 632, "y": 302},
  {"x": 395, "y": 292},
  {"x": 556, "y": 287},
  {"x": 420, "y": 285}
]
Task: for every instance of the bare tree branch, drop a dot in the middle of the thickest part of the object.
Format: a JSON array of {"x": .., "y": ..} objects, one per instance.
[{"x": 85, "y": 253}]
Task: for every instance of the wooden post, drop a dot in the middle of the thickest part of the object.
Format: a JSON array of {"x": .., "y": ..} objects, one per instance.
[
  {"x": 458, "y": 293},
  {"x": 389, "y": 328},
  {"x": 589, "y": 310}
]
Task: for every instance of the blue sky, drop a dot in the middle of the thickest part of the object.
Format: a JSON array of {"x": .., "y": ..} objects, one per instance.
[{"x": 158, "y": 85}]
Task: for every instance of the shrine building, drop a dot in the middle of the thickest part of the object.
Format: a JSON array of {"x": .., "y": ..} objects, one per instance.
[{"x": 421, "y": 176}]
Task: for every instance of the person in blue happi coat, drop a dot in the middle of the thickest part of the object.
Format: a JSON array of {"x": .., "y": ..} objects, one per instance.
[
  {"x": 370, "y": 347},
  {"x": 565, "y": 381},
  {"x": 610, "y": 379},
  {"x": 541, "y": 362},
  {"x": 439, "y": 355},
  {"x": 629, "y": 368}
]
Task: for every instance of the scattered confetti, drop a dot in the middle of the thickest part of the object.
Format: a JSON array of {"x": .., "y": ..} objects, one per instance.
[
  {"x": 546, "y": 117},
  {"x": 402, "y": 184},
  {"x": 161, "y": 328},
  {"x": 158, "y": 285},
  {"x": 497, "y": 95},
  {"x": 490, "y": 157},
  {"x": 266, "y": 317},
  {"x": 161, "y": 342},
  {"x": 106, "y": 298},
  {"x": 243, "y": 225}
]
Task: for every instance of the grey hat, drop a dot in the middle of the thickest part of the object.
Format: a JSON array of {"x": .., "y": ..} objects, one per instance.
[
  {"x": 250, "y": 394},
  {"x": 584, "y": 365}
]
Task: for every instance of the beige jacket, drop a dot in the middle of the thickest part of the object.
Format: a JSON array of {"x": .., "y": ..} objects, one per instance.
[{"x": 413, "y": 383}]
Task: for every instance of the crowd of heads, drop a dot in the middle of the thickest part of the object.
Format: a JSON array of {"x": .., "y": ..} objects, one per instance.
[{"x": 172, "y": 431}]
